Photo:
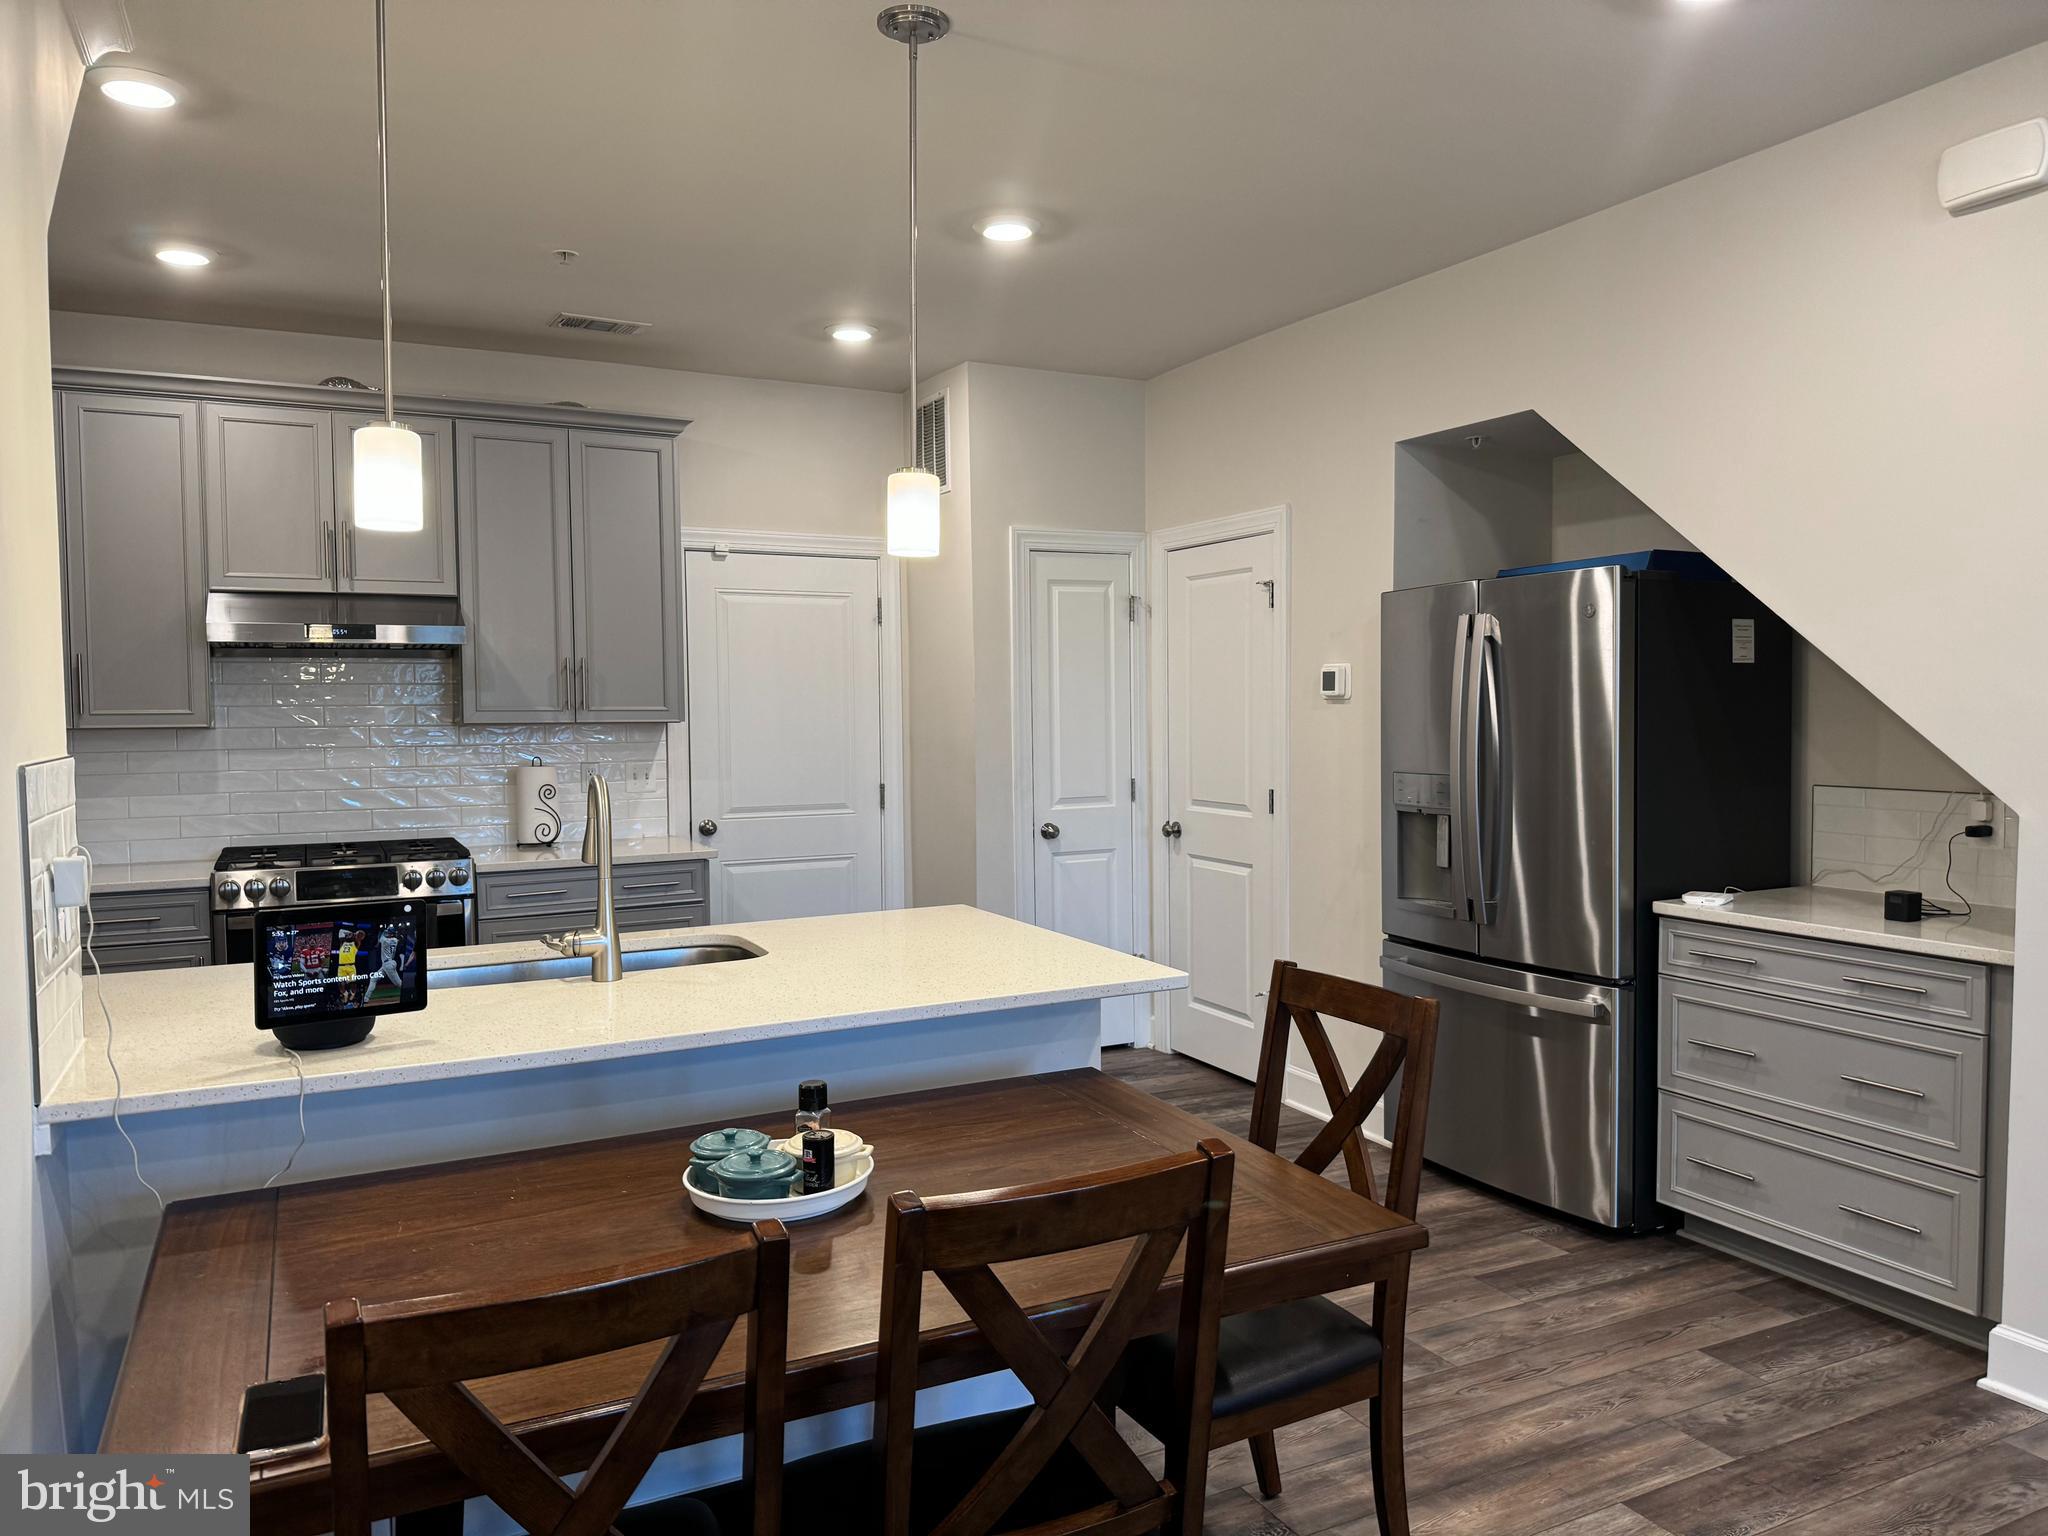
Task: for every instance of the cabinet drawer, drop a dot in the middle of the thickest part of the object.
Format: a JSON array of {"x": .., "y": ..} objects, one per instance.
[
  {"x": 558, "y": 888},
  {"x": 1903, "y": 1224},
  {"x": 1883, "y": 1082},
  {"x": 517, "y": 930},
  {"x": 643, "y": 919},
  {"x": 646, "y": 885},
  {"x": 182, "y": 955},
  {"x": 144, "y": 917},
  {"x": 1925, "y": 988}
]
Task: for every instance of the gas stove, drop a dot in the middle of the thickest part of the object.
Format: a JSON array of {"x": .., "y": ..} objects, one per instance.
[{"x": 251, "y": 876}]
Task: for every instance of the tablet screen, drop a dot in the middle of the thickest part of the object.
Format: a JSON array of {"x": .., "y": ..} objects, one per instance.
[{"x": 341, "y": 962}]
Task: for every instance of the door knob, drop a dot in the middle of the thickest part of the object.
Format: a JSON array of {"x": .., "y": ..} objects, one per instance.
[
  {"x": 1049, "y": 831},
  {"x": 1170, "y": 829},
  {"x": 707, "y": 826}
]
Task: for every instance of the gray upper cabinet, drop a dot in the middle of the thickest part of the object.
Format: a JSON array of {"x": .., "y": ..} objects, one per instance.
[
  {"x": 622, "y": 517},
  {"x": 422, "y": 562},
  {"x": 512, "y": 516},
  {"x": 269, "y": 497},
  {"x": 134, "y": 561}
]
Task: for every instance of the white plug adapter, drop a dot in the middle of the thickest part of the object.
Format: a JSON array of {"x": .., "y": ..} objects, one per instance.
[{"x": 67, "y": 880}]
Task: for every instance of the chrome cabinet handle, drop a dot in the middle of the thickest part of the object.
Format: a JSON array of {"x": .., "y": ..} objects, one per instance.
[
  {"x": 1169, "y": 829},
  {"x": 707, "y": 827},
  {"x": 568, "y": 697},
  {"x": 1715, "y": 1045},
  {"x": 333, "y": 555},
  {"x": 1871, "y": 1082},
  {"x": 534, "y": 895},
  {"x": 1049, "y": 830},
  {"x": 1733, "y": 1173},
  {"x": 1883, "y": 1221},
  {"x": 1710, "y": 954},
  {"x": 583, "y": 682},
  {"x": 1889, "y": 986},
  {"x": 77, "y": 686},
  {"x": 348, "y": 537}
]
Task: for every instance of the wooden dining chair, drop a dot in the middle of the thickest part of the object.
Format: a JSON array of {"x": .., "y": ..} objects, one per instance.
[
  {"x": 421, "y": 1355},
  {"x": 1281, "y": 1364}
]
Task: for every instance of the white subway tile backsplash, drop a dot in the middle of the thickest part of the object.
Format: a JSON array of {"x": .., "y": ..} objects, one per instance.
[
  {"x": 330, "y": 745},
  {"x": 1911, "y": 839}
]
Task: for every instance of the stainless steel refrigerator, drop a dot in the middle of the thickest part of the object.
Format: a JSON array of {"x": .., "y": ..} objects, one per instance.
[{"x": 1559, "y": 749}]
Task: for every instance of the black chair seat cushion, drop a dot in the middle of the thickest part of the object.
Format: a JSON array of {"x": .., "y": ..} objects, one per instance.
[
  {"x": 1262, "y": 1357},
  {"x": 841, "y": 1490}
]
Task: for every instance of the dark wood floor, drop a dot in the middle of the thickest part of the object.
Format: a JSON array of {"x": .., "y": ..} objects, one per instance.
[{"x": 1564, "y": 1381}]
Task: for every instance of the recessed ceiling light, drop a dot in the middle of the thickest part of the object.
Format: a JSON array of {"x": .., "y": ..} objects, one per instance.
[
  {"x": 136, "y": 87},
  {"x": 853, "y": 332},
  {"x": 184, "y": 256},
  {"x": 1007, "y": 228}
]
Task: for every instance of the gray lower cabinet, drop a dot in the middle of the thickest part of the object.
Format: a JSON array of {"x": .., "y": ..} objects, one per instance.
[
  {"x": 524, "y": 904},
  {"x": 151, "y": 930},
  {"x": 134, "y": 562},
  {"x": 269, "y": 497},
  {"x": 421, "y": 563},
  {"x": 1830, "y": 1100},
  {"x": 569, "y": 545}
]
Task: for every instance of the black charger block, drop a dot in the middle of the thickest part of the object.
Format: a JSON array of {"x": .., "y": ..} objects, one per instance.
[{"x": 1902, "y": 906}]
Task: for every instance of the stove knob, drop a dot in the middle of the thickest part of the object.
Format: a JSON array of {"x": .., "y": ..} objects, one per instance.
[
  {"x": 458, "y": 876},
  {"x": 255, "y": 890},
  {"x": 410, "y": 880},
  {"x": 280, "y": 887},
  {"x": 436, "y": 879},
  {"x": 228, "y": 890}
]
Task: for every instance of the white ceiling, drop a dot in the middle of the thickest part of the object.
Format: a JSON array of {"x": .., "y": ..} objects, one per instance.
[{"x": 732, "y": 170}]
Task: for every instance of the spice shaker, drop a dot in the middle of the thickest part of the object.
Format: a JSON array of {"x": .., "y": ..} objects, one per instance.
[
  {"x": 813, "y": 1108},
  {"x": 820, "y": 1172}
]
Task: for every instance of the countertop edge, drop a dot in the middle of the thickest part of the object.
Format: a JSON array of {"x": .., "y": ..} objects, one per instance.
[
  {"x": 1943, "y": 949},
  {"x": 81, "y": 1110}
]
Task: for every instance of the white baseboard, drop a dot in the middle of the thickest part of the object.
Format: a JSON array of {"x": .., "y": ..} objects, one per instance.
[
  {"x": 2017, "y": 1367},
  {"x": 1304, "y": 1091}
]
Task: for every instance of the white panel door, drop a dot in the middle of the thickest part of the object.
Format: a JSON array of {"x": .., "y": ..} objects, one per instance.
[
  {"x": 1220, "y": 767},
  {"x": 785, "y": 731},
  {"x": 1081, "y": 768}
]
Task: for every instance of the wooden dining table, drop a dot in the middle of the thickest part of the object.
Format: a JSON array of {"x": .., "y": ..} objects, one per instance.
[{"x": 237, "y": 1283}]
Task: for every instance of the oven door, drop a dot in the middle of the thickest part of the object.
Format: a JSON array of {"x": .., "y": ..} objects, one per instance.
[{"x": 451, "y": 924}]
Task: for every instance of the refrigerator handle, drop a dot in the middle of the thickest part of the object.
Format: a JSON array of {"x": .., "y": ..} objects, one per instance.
[
  {"x": 1489, "y": 747},
  {"x": 1461, "y": 679},
  {"x": 1589, "y": 1008}
]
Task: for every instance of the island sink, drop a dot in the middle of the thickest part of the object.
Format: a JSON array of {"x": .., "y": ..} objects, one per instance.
[{"x": 572, "y": 966}]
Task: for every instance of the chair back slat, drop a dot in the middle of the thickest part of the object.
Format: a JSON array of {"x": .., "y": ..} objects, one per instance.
[
  {"x": 1300, "y": 999},
  {"x": 422, "y": 1355},
  {"x": 1155, "y": 1207}
]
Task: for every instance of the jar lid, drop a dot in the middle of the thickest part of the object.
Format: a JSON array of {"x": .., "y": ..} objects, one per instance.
[
  {"x": 717, "y": 1144},
  {"x": 763, "y": 1163},
  {"x": 811, "y": 1094}
]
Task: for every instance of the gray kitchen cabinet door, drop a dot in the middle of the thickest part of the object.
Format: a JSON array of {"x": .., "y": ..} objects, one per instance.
[
  {"x": 512, "y": 537},
  {"x": 422, "y": 562},
  {"x": 269, "y": 497},
  {"x": 622, "y": 501},
  {"x": 134, "y": 562}
]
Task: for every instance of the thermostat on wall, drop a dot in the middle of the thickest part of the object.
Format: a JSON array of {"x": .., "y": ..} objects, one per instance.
[{"x": 1336, "y": 680}]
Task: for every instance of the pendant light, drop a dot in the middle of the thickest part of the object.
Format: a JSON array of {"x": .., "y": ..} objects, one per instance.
[
  {"x": 390, "y": 490},
  {"x": 913, "y": 492}
]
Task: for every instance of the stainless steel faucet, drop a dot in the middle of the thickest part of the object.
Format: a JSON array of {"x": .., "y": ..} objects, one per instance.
[{"x": 601, "y": 943}]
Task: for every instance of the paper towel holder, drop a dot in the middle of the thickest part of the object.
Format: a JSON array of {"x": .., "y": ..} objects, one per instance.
[{"x": 536, "y": 804}]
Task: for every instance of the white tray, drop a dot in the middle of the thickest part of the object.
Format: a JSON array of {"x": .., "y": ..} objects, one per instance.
[{"x": 853, "y": 1178}]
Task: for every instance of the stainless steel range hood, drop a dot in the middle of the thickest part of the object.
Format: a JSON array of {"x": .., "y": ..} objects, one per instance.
[{"x": 351, "y": 620}]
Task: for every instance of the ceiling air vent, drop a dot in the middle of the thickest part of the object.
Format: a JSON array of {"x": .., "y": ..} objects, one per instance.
[
  {"x": 600, "y": 324},
  {"x": 934, "y": 441}
]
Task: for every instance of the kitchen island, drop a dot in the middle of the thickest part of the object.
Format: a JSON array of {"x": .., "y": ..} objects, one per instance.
[{"x": 525, "y": 1051}]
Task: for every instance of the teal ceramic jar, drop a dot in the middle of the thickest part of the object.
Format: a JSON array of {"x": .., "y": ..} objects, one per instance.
[
  {"x": 713, "y": 1147},
  {"x": 759, "y": 1173}
]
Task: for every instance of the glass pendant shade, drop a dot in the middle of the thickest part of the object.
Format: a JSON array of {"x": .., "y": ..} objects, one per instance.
[
  {"x": 914, "y": 513},
  {"x": 390, "y": 490}
]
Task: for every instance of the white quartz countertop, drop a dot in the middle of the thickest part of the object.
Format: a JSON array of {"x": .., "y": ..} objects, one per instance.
[
  {"x": 1857, "y": 917},
  {"x": 569, "y": 850},
  {"x": 187, "y": 1038}
]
